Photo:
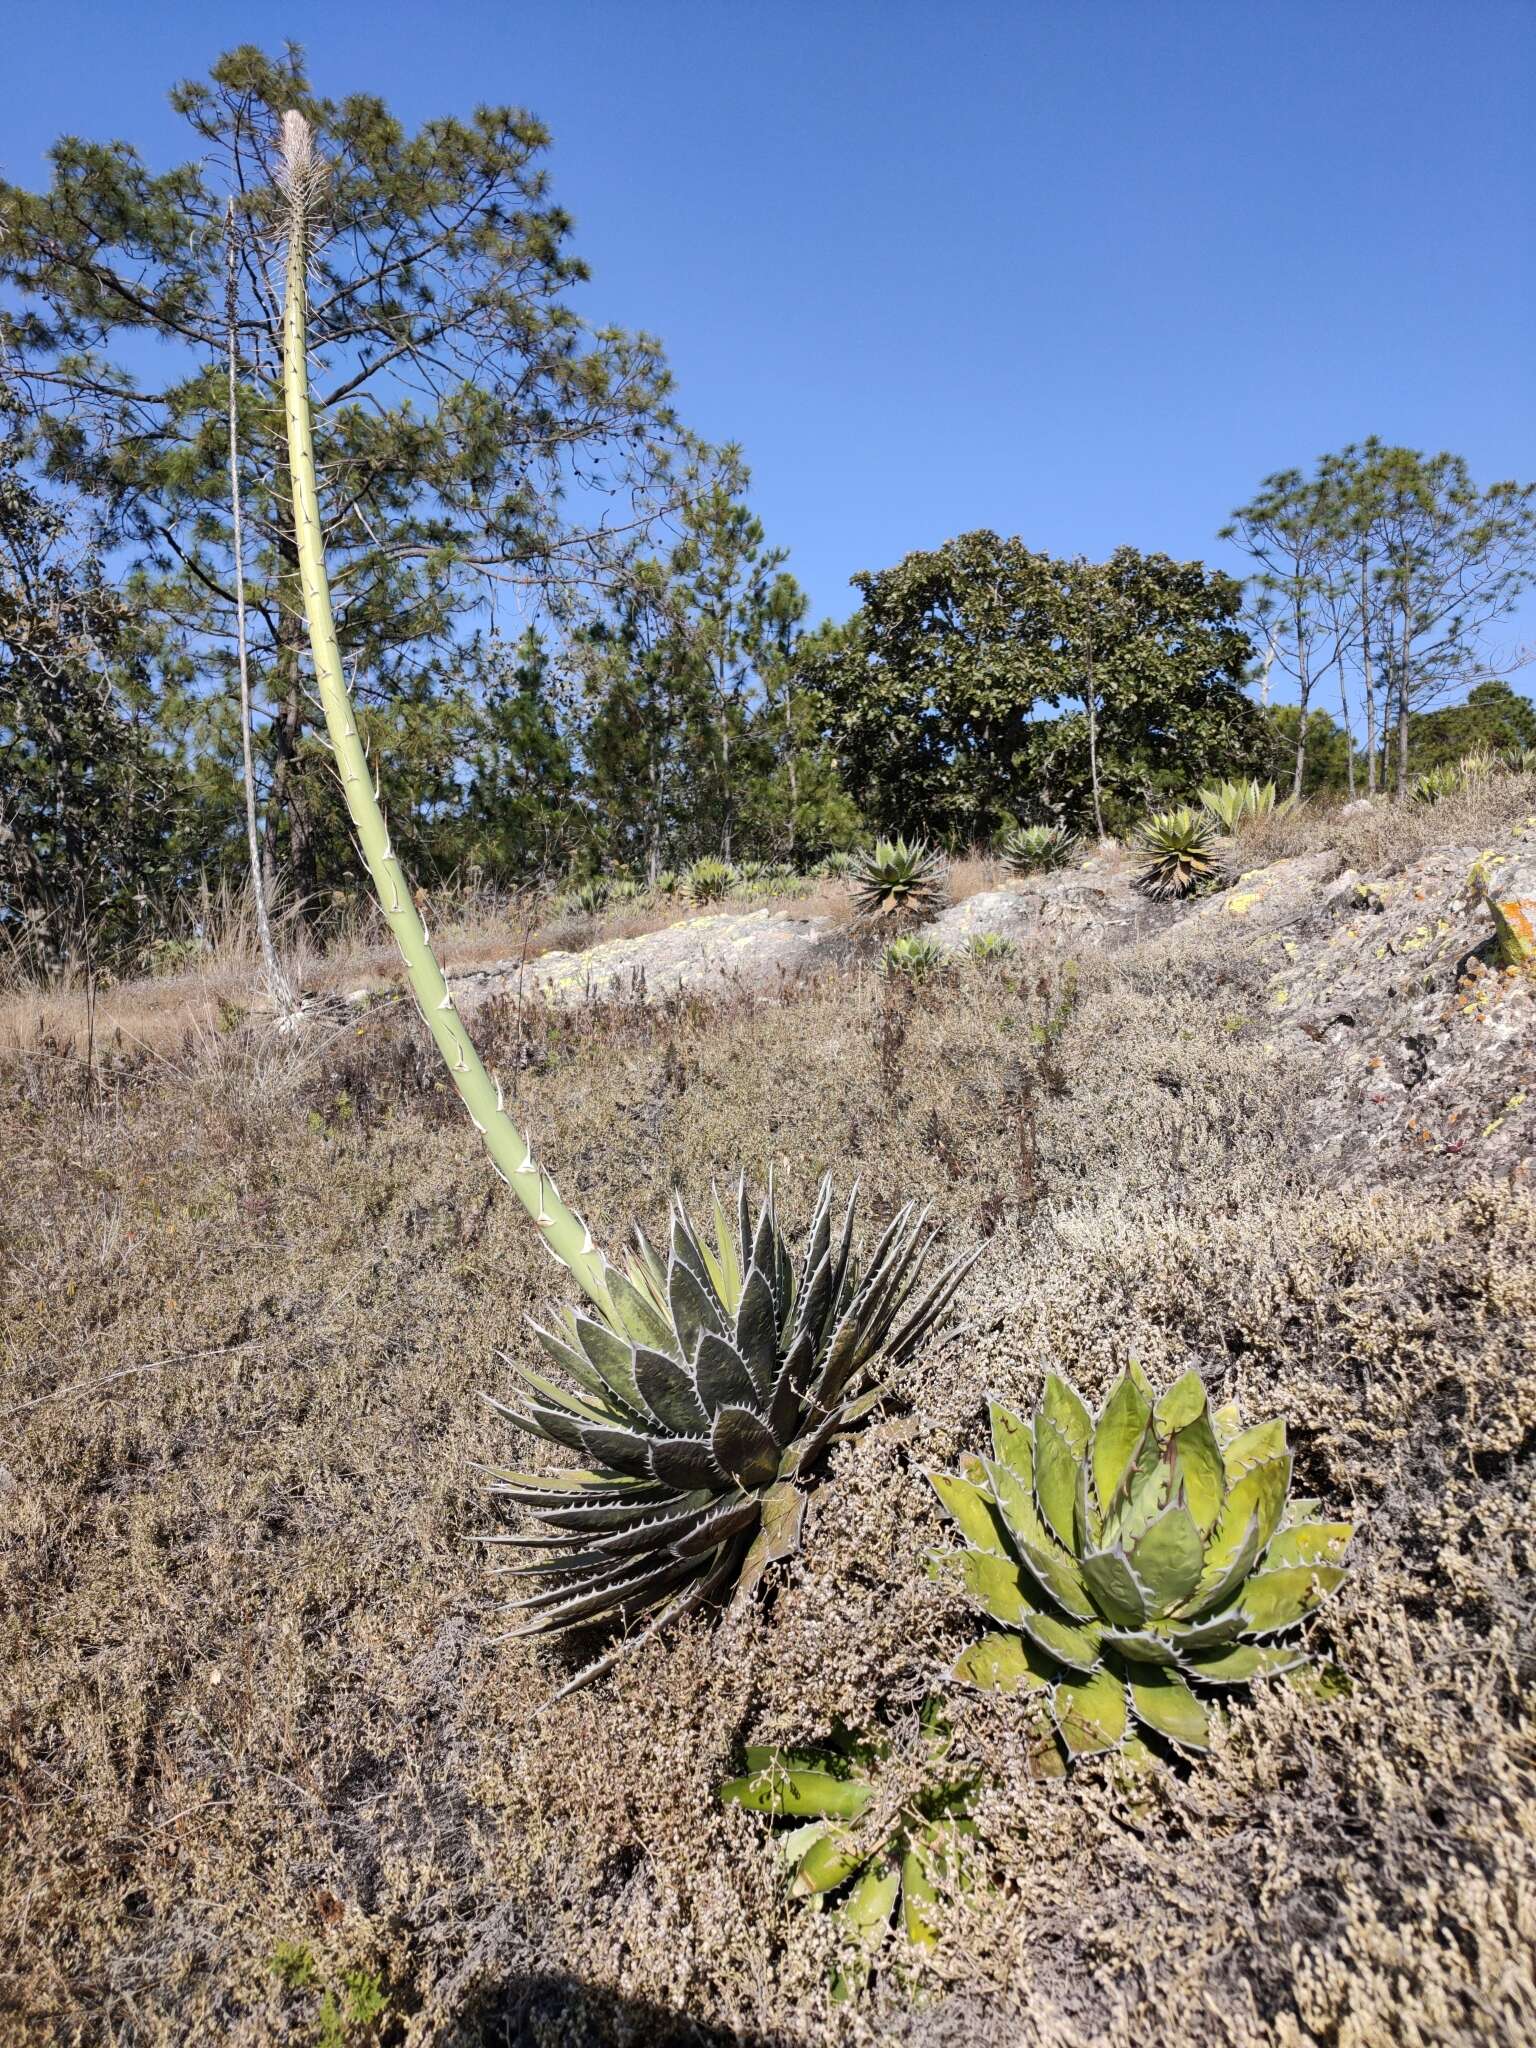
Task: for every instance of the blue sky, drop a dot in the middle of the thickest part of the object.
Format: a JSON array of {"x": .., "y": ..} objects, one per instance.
[{"x": 1082, "y": 272}]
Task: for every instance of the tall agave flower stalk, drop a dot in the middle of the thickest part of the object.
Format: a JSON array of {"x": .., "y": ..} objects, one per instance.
[
  {"x": 567, "y": 1237},
  {"x": 703, "y": 1386}
]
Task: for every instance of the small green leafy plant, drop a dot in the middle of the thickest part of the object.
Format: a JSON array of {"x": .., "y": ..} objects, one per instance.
[
  {"x": 1135, "y": 1560},
  {"x": 913, "y": 958},
  {"x": 711, "y": 880},
  {"x": 897, "y": 878},
  {"x": 1234, "y": 804},
  {"x": 1177, "y": 853},
  {"x": 990, "y": 949},
  {"x": 1036, "y": 849},
  {"x": 869, "y": 1850},
  {"x": 1436, "y": 784}
]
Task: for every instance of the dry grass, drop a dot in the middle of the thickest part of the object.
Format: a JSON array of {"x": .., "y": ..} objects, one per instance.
[{"x": 259, "y": 1734}]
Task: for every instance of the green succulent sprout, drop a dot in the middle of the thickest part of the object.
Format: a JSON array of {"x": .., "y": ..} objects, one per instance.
[
  {"x": 702, "y": 1402},
  {"x": 868, "y": 1858},
  {"x": 1177, "y": 850},
  {"x": 1521, "y": 760},
  {"x": 989, "y": 949},
  {"x": 1479, "y": 766},
  {"x": 710, "y": 880},
  {"x": 1233, "y": 804},
  {"x": 1436, "y": 784},
  {"x": 913, "y": 958},
  {"x": 704, "y": 1386},
  {"x": 1134, "y": 1560},
  {"x": 1036, "y": 849},
  {"x": 897, "y": 878},
  {"x": 589, "y": 899}
]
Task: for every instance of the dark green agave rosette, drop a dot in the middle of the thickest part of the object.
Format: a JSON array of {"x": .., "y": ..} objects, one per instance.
[
  {"x": 1137, "y": 1560},
  {"x": 702, "y": 1394}
]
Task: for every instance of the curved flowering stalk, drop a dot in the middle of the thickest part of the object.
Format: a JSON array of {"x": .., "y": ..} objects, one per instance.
[{"x": 563, "y": 1230}]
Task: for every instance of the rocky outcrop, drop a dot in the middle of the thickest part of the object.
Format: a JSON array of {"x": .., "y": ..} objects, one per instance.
[
  {"x": 1095, "y": 906},
  {"x": 719, "y": 950}
]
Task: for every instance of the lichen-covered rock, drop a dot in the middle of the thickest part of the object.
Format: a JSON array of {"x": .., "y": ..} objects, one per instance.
[
  {"x": 1421, "y": 1021},
  {"x": 1075, "y": 907},
  {"x": 717, "y": 950}
]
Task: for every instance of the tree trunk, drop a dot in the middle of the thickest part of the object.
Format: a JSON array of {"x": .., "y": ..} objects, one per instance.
[
  {"x": 1304, "y": 687},
  {"x": 277, "y": 981},
  {"x": 1369, "y": 682}
]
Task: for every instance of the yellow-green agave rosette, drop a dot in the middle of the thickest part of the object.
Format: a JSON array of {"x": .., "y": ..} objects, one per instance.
[{"x": 1134, "y": 1560}]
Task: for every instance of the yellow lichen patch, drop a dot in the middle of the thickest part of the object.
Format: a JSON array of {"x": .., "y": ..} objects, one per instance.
[{"x": 1516, "y": 945}]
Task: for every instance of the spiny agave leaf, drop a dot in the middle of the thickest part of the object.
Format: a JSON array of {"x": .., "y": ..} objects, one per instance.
[
  {"x": 1055, "y": 1479},
  {"x": 1278, "y": 1599},
  {"x": 818, "y": 1238},
  {"x": 766, "y": 1250},
  {"x": 1054, "y": 1569},
  {"x": 586, "y": 1407},
  {"x": 639, "y": 1318},
  {"x": 1087, "y": 1522},
  {"x": 588, "y": 1485},
  {"x": 694, "y": 1310},
  {"x": 1140, "y": 1646},
  {"x": 1168, "y": 1559},
  {"x": 788, "y": 1404},
  {"x": 744, "y": 1447},
  {"x": 830, "y": 1861},
  {"x": 1117, "y": 1591},
  {"x": 1076, "y": 1647},
  {"x": 778, "y": 1537},
  {"x": 724, "y": 1260},
  {"x": 686, "y": 1462},
  {"x": 973, "y": 1512},
  {"x": 994, "y": 1584},
  {"x": 555, "y": 1425},
  {"x": 1091, "y": 1713},
  {"x": 1188, "y": 1637},
  {"x": 570, "y": 1361},
  {"x": 1227, "y": 1564},
  {"x": 1004, "y": 1663},
  {"x": 1308, "y": 1543},
  {"x": 626, "y": 1450},
  {"x": 659, "y": 1531},
  {"x": 1013, "y": 1443},
  {"x": 757, "y": 1336},
  {"x": 1299, "y": 1510},
  {"x": 799, "y": 1790},
  {"x": 1262, "y": 1489},
  {"x": 1177, "y": 1408},
  {"x": 560, "y": 1608},
  {"x": 1065, "y": 1406},
  {"x": 720, "y": 1375},
  {"x": 668, "y": 1391},
  {"x": 1227, "y": 1422},
  {"x": 1116, "y": 1439},
  {"x": 932, "y": 1305},
  {"x": 1238, "y": 1663},
  {"x": 732, "y": 1518},
  {"x": 687, "y": 1249},
  {"x": 1145, "y": 1497},
  {"x": 613, "y": 1358},
  {"x": 651, "y": 1278},
  {"x": 1257, "y": 1446},
  {"x": 1162, "y": 1702},
  {"x": 1199, "y": 1472}
]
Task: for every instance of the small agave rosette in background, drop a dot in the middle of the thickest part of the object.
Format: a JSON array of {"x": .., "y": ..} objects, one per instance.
[{"x": 1136, "y": 1561}]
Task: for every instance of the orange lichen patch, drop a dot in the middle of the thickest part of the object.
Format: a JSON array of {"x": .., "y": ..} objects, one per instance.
[{"x": 1517, "y": 938}]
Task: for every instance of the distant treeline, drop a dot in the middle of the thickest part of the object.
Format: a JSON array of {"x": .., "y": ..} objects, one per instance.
[{"x": 575, "y": 647}]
